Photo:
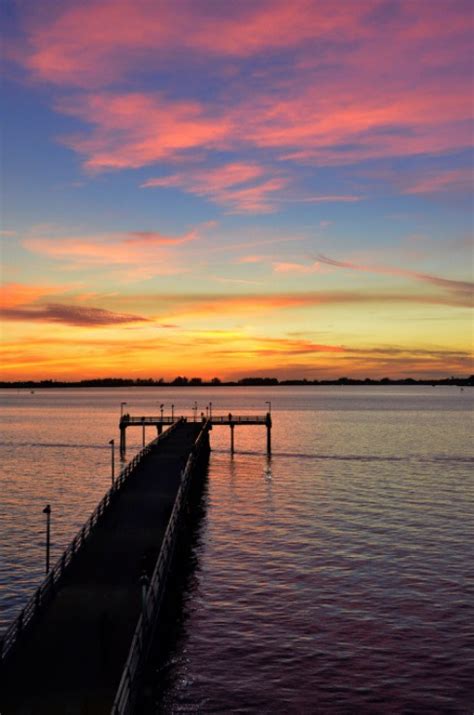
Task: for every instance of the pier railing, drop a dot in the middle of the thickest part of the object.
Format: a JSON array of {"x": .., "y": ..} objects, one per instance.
[
  {"x": 129, "y": 420},
  {"x": 45, "y": 592},
  {"x": 126, "y": 693}
]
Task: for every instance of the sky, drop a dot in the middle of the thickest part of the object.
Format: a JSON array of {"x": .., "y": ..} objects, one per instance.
[{"x": 261, "y": 188}]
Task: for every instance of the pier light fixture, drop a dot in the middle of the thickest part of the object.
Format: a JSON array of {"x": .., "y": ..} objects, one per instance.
[
  {"x": 47, "y": 511},
  {"x": 269, "y": 406},
  {"x": 112, "y": 444},
  {"x": 122, "y": 405}
]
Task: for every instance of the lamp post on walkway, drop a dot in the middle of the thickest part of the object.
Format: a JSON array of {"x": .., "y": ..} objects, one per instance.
[
  {"x": 144, "y": 583},
  {"x": 122, "y": 405},
  {"x": 47, "y": 511},
  {"x": 112, "y": 444}
]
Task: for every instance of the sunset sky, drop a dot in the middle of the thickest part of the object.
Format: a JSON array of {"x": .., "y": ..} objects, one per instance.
[{"x": 211, "y": 188}]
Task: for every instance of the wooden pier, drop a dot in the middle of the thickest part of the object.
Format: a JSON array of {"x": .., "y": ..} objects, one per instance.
[
  {"x": 230, "y": 420},
  {"x": 78, "y": 645},
  {"x": 81, "y": 642}
]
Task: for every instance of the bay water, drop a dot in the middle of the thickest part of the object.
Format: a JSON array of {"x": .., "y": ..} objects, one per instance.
[{"x": 336, "y": 576}]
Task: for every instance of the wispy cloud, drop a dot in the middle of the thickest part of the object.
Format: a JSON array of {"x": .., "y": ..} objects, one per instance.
[
  {"x": 289, "y": 267},
  {"x": 142, "y": 253},
  {"x": 442, "y": 181},
  {"x": 462, "y": 288},
  {"x": 240, "y": 186}
]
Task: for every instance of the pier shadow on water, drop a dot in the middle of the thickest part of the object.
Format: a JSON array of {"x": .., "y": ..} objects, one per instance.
[{"x": 156, "y": 697}]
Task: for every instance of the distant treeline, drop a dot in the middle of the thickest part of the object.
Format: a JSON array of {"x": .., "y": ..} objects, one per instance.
[{"x": 244, "y": 382}]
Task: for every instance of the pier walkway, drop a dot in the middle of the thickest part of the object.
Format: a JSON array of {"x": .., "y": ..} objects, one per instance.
[{"x": 71, "y": 659}]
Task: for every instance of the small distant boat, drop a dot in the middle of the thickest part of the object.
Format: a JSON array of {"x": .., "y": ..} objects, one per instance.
[{"x": 32, "y": 392}]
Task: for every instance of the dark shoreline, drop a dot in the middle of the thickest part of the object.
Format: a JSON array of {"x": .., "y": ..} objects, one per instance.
[{"x": 244, "y": 382}]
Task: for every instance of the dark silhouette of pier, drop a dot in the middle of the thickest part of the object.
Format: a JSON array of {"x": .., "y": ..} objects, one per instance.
[
  {"x": 230, "y": 420},
  {"x": 81, "y": 642}
]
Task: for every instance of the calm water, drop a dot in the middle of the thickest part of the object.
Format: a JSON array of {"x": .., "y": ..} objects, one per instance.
[{"x": 338, "y": 577}]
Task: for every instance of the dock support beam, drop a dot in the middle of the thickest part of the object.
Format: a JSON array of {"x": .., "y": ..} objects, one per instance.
[
  {"x": 159, "y": 429},
  {"x": 232, "y": 439},
  {"x": 268, "y": 422}
]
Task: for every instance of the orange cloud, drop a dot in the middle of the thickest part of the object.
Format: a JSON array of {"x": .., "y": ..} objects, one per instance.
[
  {"x": 179, "y": 308},
  {"x": 15, "y": 294}
]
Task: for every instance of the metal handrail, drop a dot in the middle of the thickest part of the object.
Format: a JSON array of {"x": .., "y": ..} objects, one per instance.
[
  {"x": 123, "y": 702},
  {"x": 45, "y": 591}
]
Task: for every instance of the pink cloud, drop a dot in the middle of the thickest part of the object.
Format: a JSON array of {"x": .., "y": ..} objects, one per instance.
[
  {"x": 330, "y": 125},
  {"x": 451, "y": 180},
  {"x": 297, "y": 267},
  {"x": 373, "y": 80},
  {"x": 97, "y": 42},
  {"x": 251, "y": 259},
  {"x": 135, "y": 129},
  {"x": 231, "y": 185},
  {"x": 142, "y": 253}
]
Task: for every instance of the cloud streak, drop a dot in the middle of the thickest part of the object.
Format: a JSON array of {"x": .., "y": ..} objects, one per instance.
[
  {"x": 142, "y": 254},
  {"x": 462, "y": 288},
  {"x": 73, "y": 315}
]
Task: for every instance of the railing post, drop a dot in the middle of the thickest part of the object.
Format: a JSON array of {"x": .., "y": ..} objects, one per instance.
[
  {"x": 123, "y": 440},
  {"x": 231, "y": 438}
]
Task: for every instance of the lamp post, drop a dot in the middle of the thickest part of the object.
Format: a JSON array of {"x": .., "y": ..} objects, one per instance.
[
  {"x": 144, "y": 583},
  {"x": 122, "y": 405},
  {"x": 47, "y": 511},
  {"x": 269, "y": 406},
  {"x": 112, "y": 444}
]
